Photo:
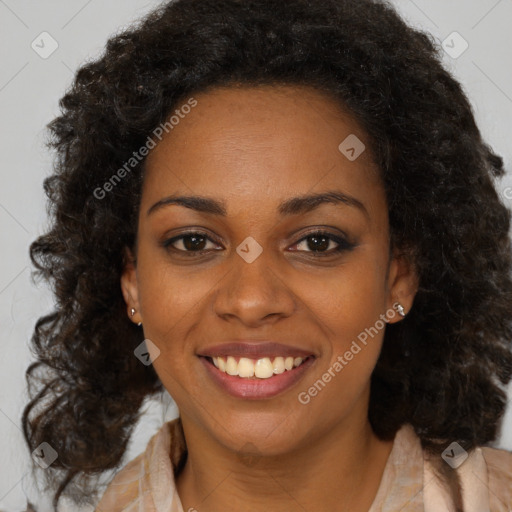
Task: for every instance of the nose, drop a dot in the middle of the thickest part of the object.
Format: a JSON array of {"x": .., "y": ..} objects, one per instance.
[{"x": 254, "y": 293}]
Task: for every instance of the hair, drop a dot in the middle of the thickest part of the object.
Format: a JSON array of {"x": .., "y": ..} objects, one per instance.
[{"x": 442, "y": 369}]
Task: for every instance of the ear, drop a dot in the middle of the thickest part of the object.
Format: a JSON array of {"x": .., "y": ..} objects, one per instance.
[
  {"x": 129, "y": 286},
  {"x": 402, "y": 284}
]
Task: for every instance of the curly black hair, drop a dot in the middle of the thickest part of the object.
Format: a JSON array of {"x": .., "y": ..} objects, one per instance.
[{"x": 443, "y": 369}]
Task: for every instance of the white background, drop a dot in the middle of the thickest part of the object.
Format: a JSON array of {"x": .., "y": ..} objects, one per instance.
[{"x": 30, "y": 88}]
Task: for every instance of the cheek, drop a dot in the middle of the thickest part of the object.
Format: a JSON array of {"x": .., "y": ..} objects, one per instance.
[
  {"x": 169, "y": 301},
  {"x": 169, "y": 297},
  {"x": 348, "y": 308},
  {"x": 350, "y": 299},
  {"x": 168, "y": 287}
]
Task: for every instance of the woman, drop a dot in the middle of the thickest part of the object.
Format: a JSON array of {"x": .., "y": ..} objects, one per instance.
[{"x": 283, "y": 214}]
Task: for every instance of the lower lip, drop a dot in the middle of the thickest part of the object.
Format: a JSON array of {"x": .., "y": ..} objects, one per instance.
[{"x": 254, "y": 389}]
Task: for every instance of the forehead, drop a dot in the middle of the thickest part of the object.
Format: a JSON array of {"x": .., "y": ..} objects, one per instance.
[{"x": 261, "y": 143}]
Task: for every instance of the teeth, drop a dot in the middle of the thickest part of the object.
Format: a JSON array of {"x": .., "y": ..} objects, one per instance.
[
  {"x": 245, "y": 367},
  {"x": 278, "y": 365},
  {"x": 262, "y": 368},
  {"x": 231, "y": 366}
]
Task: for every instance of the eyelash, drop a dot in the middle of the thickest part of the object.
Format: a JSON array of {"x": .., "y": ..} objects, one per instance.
[{"x": 343, "y": 244}]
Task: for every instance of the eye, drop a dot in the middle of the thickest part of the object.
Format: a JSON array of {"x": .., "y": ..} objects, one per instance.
[
  {"x": 189, "y": 242},
  {"x": 320, "y": 243}
]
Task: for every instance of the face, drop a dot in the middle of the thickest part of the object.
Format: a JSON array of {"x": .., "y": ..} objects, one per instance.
[{"x": 252, "y": 265}]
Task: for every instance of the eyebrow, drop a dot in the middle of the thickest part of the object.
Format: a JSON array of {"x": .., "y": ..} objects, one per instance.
[{"x": 293, "y": 206}]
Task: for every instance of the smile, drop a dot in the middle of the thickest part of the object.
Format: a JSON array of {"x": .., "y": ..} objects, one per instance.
[
  {"x": 263, "y": 368},
  {"x": 256, "y": 379}
]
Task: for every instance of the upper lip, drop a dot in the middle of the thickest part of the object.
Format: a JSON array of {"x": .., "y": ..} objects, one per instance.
[{"x": 253, "y": 350}]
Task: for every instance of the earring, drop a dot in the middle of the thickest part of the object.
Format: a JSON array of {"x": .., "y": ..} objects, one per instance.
[
  {"x": 400, "y": 309},
  {"x": 132, "y": 312}
]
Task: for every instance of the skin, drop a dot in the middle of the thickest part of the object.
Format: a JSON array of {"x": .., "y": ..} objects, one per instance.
[{"x": 253, "y": 148}]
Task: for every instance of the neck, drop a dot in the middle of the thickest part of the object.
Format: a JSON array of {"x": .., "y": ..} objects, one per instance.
[{"x": 339, "y": 471}]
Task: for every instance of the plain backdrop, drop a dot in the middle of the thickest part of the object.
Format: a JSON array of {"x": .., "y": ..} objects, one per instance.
[{"x": 31, "y": 83}]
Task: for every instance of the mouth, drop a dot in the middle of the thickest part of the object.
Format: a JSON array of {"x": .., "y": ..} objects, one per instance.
[
  {"x": 255, "y": 379},
  {"x": 262, "y": 368}
]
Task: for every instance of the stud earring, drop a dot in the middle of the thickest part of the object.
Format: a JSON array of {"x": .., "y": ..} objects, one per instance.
[
  {"x": 132, "y": 312},
  {"x": 400, "y": 309}
]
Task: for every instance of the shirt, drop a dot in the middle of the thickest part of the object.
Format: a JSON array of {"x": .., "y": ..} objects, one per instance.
[{"x": 408, "y": 484}]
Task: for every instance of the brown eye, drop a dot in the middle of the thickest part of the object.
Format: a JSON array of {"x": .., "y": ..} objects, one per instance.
[
  {"x": 320, "y": 242},
  {"x": 192, "y": 241},
  {"x": 317, "y": 242}
]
